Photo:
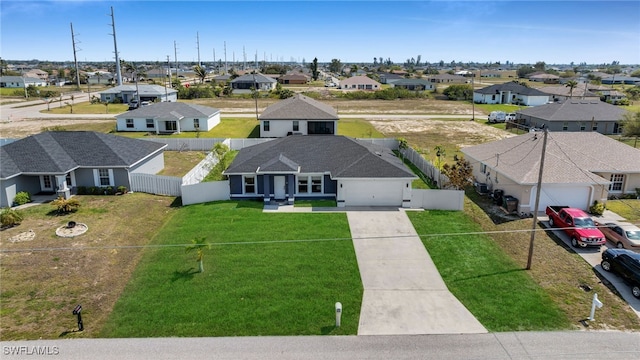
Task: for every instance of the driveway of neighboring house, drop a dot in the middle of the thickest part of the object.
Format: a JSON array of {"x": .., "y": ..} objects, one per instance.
[{"x": 403, "y": 291}]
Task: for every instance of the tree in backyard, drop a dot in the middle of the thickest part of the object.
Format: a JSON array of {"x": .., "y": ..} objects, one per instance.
[
  {"x": 354, "y": 70},
  {"x": 201, "y": 73},
  {"x": 631, "y": 125},
  {"x": 571, "y": 84},
  {"x": 106, "y": 106},
  {"x": 459, "y": 174},
  {"x": 335, "y": 66},
  {"x": 314, "y": 69},
  {"x": 402, "y": 145},
  {"x": 459, "y": 92},
  {"x": 635, "y": 73},
  {"x": 540, "y": 66},
  {"x": 199, "y": 245},
  {"x": 524, "y": 71},
  {"x": 633, "y": 93},
  {"x": 440, "y": 153}
]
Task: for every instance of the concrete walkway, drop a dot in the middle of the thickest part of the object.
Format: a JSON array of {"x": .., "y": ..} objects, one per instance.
[{"x": 404, "y": 293}]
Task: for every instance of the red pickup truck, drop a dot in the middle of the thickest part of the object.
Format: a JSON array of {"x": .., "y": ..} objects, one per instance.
[{"x": 577, "y": 224}]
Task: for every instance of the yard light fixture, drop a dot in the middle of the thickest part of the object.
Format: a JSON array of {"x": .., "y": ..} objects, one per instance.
[{"x": 338, "y": 313}]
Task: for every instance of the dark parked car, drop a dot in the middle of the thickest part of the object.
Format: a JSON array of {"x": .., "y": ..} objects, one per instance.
[{"x": 626, "y": 264}]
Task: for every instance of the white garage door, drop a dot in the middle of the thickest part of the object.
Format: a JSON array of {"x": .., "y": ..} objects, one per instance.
[
  {"x": 373, "y": 193},
  {"x": 569, "y": 195}
]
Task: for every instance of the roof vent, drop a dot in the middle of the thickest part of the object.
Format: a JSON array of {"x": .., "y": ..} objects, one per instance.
[{"x": 378, "y": 153}]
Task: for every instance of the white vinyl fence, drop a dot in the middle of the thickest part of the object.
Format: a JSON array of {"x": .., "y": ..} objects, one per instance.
[
  {"x": 426, "y": 167},
  {"x": 432, "y": 199},
  {"x": 156, "y": 184},
  {"x": 201, "y": 170},
  {"x": 205, "y": 192}
]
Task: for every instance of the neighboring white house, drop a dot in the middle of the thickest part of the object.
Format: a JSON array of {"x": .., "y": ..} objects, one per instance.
[
  {"x": 360, "y": 83},
  {"x": 12, "y": 82},
  {"x": 100, "y": 77},
  {"x": 579, "y": 168},
  {"x": 510, "y": 93},
  {"x": 299, "y": 115},
  {"x": 169, "y": 117}
]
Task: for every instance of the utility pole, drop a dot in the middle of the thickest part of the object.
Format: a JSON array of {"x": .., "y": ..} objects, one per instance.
[
  {"x": 214, "y": 59},
  {"x": 175, "y": 57},
  {"x": 473, "y": 103},
  {"x": 75, "y": 61},
  {"x": 225, "y": 59},
  {"x": 198, "y": 47},
  {"x": 115, "y": 49},
  {"x": 244, "y": 59},
  {"x": 538, "y": 191},
  {"x": 168, "y": 71}
]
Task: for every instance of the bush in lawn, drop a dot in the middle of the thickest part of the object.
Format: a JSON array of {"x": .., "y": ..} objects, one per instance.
[
  {"x": 82, "y": 190},
  {"x": 597, "y": 208},
  {"x": 122, "y": 189},
  {"x": 65, "y": 206},
  {"x": 10, "y": 217},
  {"x": 22, "y": 198}
]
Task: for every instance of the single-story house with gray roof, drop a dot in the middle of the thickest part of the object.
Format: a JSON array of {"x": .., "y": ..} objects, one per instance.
[
  {"x": 126, "y": 93},
  {"x": 573, "y": 115},
  {"x": 353, "y": 172},
  {"x": 413, "y": 84},
  {"x": 60, "y": 161},
  {"x": 169, "y": 117},
  {"x": 510, "y": 93},
  {"x": 243, "y": 84},
  {"x": 579, "y": 168},
  {"x": 563, "y": 92},
  {"x": 299, "y": 115}
]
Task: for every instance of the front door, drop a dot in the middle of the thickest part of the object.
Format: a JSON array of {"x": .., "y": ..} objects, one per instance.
[
  {"x": 171, "y": 126},
  {"x": 279, "y": 189},
  {"x": 47, "y": 182}
]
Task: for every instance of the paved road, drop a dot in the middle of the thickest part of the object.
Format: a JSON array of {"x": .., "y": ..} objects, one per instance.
[{"x": 496, "y": 346}]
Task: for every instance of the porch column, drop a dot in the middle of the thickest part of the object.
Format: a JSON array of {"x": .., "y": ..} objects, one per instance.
[
  {"x": 291, "y": 182},
  {"x": 265, "y": 189},
  {"x": 63, "y": 189}
]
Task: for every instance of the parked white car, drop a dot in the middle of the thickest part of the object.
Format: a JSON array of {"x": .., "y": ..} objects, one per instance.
[{"x": 497, "y": 116}]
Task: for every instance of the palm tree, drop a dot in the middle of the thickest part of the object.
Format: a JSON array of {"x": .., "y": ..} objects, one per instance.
[
  {"x": 199, "y": 245},
  {"x": 354, "y": 70},
  {"x": 571, "y": 84},
  {"x": 201, "y": 73}
]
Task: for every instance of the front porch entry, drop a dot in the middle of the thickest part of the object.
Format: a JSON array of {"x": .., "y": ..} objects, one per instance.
[{"x": 279, "y": 188}]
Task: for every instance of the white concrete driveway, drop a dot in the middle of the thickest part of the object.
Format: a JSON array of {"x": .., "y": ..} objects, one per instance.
[{"x": 403, "y": 290}]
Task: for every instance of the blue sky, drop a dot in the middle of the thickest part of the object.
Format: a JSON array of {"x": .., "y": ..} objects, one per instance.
[{"x": 556, "y": 32}]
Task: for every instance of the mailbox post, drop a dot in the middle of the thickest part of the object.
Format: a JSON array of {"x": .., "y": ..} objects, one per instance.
[
  {"x": 338, "y": 313},
  {"x": 77, "y": 311}
]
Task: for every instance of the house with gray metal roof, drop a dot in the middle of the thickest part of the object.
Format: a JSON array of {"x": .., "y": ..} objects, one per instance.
[
  {"x": 151, "y": 93},
  {"x": 573, "y": 115},
  {"x": 562, "y": 93},
  {"x": 353, "y": 172},
  {"x": 57, "y": 162},
  {"x": 299, "y": 115},
  {"x": 169, "y": 117},
  {"x": 510, "y": 93},
  {"x": 579, "y": 168},
  {"x": 243, "y": 84},
  {"x": 413, "y": 84}
]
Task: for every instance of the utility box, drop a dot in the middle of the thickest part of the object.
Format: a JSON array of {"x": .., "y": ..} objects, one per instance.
[{"x": 510, "y": 204}]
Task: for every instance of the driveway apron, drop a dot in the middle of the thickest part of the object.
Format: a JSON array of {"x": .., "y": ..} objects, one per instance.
[{"x": 403, "y": 291}]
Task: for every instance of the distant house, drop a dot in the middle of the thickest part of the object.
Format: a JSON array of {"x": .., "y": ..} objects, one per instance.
[
  {"x": 563, "y": 92},
  {"x": 579, "y": 168},
  {"x": 169, "y": 117},
  {"x": 388, "y": 78},
  {"x": 244, "y": 83},
  {"x": 299, "y": 115},
  {"x": 573, "y": 115},
  {"x": 510, "y": 93},
  {"x": 293, "y": 79},
  {"x": 360, "y": 83},
  {"x": 620, "y": 79},
  {"x": 12, "y": 82},
  {"x": 491, "y": 74},
  {"x": 447, "y": 79},
  {"x": 152, "y": 93},
  {"x": 612, "y": 96},
  {"x": 353, "y": 172},
  {"x": 34, "y": 81},
  {"x": 222, "y": 79},
  {"x": 60, "y": 161},
  {"x": 36, "y": 73},
  {"x": 545, "y": 78},
  {"x": 100, "y": 78},
  {"x": 413, "y": 84}
]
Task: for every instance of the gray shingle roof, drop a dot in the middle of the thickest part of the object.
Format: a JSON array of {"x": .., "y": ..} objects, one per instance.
[
  {"x": 170, "y": 111},
  {"x": 412, "y": 82},
  {"x": 571, "y": 157},
  {"x": 562, "y": 90},
  {"x": 512, "y": 87},
  {"x": 341, "y": 156},
  {"x": 299, "y": 107},
  {"x": 57, "y": 152},
  {"x": 259, "y": 78},
  {"x": 575, "y": 110}
]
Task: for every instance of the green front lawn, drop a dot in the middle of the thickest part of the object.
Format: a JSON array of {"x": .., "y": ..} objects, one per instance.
[
  {"x": 264, "y": 275},
  {"x": 499, "y": 292}
]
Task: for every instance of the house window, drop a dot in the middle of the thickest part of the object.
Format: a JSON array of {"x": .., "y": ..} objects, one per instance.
[
  {"x": 129, "y": 123},
  {"x": 104, "y": 178},
  {"x": 296, "y": 125},
  {"x": 150, "y": 124},
  {"x": 594, "y": 127},
  {"x": 583, "y": 127},
  {"x": 483, "y": 168},
  {"x": 303, "y": 184},
  {"x": 565, "y": 126},
  {"x": 171, "y": 125},
  {"x": 196, "y": 123},
  {"x": 316, "y": 184},
  {"x": 493, "y": 97},
  {"x": 616, "y": 182},
  {"x": 266, "y": 126},
  {"x": 249, "y": 184}
]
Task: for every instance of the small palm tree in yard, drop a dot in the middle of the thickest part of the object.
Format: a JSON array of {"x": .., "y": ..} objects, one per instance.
[
  {"x": 199, "y": 245},
  {"x": 571, "y": 84}
]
